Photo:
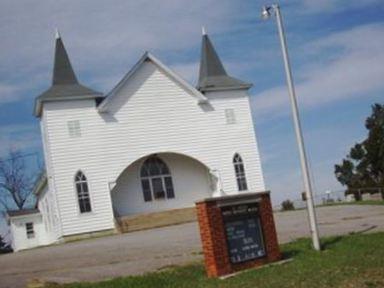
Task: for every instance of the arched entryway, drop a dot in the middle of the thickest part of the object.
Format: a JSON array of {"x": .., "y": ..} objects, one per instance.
[{"x": 160, "y": 182}]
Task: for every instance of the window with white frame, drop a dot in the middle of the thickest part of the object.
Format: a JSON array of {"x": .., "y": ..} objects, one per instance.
[
  {"x": 156, "y": 180},
  {"x": 74, "y": 130},
  {"x": 29, "y": 230},
  {"x": 82, "y": 193},
  {"x": 240, "y": 172},
  {"x": 230, "y": 116}
]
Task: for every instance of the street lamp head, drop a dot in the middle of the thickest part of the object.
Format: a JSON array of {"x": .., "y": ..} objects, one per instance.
[{"x": 265, "y": 12}]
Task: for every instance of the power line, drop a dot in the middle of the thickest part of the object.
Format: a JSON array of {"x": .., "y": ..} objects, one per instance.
[
  {"x": 20, "y": 156},
  {"x": 36, "y": 155}
]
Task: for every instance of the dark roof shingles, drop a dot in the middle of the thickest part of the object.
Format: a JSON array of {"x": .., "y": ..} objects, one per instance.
[
  {"x": 64, "y": 81},
  {"x": 14, "y": 213},
  {"x": 212, "y": 74}
]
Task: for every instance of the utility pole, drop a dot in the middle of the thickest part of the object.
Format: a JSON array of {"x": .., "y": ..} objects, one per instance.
[{"x": 296, "y": 120}]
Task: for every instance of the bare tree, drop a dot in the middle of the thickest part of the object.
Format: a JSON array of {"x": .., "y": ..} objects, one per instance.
[{"x": 16, "y": 182}]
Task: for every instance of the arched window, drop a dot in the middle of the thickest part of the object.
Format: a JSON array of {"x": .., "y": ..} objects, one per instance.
[
  {"x": 156, "y": 180},
  {"x": 82, "y": 192},
  {"x": 240, "y": 173}
]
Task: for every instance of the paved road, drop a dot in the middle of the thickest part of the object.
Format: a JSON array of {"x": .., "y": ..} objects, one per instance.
[{"x": 151, "y": 250}]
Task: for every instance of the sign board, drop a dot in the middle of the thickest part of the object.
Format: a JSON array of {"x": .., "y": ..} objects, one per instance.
[{"x": 243, "y": 231}]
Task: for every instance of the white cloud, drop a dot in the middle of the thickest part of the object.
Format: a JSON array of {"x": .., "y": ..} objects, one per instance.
[
  {"x": 354, "y": 72},
  {"x": 8, "y": 93},
  {"x": 106, "y": 37},
  {"x": 103, "y": 40},
  {"x": 316, "y": 6}
]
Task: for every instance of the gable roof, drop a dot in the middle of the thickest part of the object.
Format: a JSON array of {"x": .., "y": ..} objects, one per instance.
[
  {"x": 65, "y": 85},
  {"x": 149, "y": 57},
  {"x": 212, "y": 75}
]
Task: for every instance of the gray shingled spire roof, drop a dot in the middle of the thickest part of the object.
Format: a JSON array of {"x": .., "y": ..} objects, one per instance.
[
  {"x": 65, "y": 85},
  {"x": 62, "y": 69},
  {"x": 212, "y": 76}
]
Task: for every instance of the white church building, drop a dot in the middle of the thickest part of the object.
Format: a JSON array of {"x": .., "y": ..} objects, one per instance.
[{"x": 153, "y": 143}]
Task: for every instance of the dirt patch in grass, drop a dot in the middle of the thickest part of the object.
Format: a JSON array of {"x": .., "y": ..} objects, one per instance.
[{"x": 369, "y": 279}]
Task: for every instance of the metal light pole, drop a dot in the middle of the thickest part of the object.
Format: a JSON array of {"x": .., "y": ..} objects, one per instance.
[{"x": 266, "y": 13}]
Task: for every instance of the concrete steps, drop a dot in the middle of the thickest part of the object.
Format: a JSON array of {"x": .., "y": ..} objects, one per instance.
[{"x": 157, "y": 219}]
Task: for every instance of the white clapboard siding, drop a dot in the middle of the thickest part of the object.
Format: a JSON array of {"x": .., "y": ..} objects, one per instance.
[
  {"x": 149, "y": 114},
  {"x": 50, "y": 191},
  {"x": 47, "y": 208},
  {"x": 20, "y": 240}
]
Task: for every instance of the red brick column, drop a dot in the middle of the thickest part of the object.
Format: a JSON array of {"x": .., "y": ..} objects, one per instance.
[
  {"x": 213, "y": 236},
  {"x": 269, "y": 230},
  {"x": 213, "y": 239}
]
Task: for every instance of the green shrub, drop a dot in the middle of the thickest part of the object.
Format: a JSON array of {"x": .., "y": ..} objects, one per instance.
[{"x": 287, "y": 205}]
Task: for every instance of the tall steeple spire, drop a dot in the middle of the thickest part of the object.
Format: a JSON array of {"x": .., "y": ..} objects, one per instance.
[
  {"x": 65, "y": 85},
  {"x": 62, "y": 69},
  {"x": 212, "y": 75}
]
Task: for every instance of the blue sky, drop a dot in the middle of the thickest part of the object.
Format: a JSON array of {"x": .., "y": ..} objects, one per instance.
[{"x": 336, "y": 50}]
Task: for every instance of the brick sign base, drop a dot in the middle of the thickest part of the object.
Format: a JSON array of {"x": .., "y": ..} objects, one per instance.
[{"x": 214, "y": 235}]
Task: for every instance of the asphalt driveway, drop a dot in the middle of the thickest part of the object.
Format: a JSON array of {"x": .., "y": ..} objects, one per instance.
[{"x": 156, "y": 249}]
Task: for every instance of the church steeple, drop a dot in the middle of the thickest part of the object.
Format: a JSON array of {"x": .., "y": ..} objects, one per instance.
[
  {"x": 212, "y": 75},
  {"x": 65, "y": 85},
  {"x": 62, "y": 70}
]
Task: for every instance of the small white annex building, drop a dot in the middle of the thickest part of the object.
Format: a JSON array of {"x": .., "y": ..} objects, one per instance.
[{"x": 153, "y": 143}]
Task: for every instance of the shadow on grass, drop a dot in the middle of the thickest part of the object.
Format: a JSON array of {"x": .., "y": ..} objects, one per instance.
[
  {"x": 330, "y": 242},
  {"x": 364, "y": 230},
  {"x": 291, "y": 253}
]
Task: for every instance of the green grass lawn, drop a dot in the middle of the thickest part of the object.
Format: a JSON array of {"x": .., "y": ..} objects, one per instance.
[{"x": 350, "y": 261}]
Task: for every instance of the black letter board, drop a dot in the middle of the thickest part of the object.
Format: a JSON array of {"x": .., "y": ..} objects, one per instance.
[{"x": 244, "y": 233}]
